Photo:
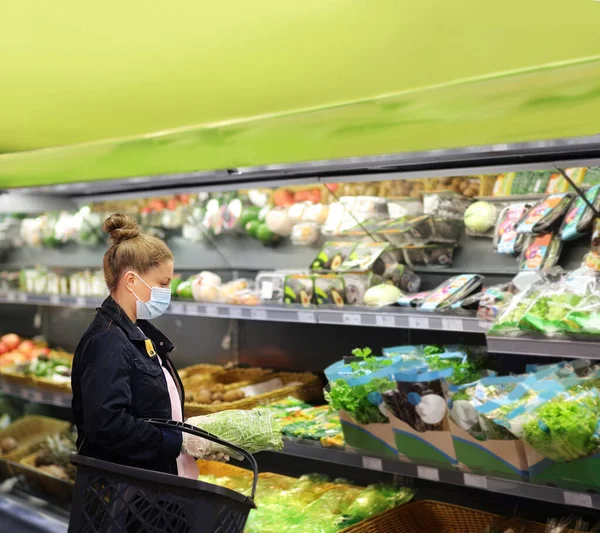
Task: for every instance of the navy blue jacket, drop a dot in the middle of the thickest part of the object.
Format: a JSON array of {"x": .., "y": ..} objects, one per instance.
[{"x": 116, "y": 384}]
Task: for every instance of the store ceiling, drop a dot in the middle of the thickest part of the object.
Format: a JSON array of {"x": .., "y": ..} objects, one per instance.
[{"x": 135, "y": 89}]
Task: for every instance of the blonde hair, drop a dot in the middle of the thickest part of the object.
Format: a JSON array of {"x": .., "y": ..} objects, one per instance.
[{"x": 130, "y": 249}]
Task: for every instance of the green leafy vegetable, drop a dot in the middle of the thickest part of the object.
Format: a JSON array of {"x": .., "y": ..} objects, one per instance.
[{"x": 355, "y": 402}]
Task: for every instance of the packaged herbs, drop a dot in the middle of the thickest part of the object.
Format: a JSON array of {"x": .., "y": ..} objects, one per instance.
[
  {"x": 540, "y": 252},
  {"x": 451, "y": 291},
  {"x": 506, "y": 238}
]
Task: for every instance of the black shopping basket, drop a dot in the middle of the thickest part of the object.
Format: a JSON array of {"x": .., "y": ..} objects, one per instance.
[{"x": 111, "y": 498}]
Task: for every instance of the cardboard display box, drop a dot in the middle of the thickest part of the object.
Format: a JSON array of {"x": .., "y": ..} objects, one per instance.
[
  {"x": 375, "y": 438},
  {"x": 582, "y": 474},
  {"x": 504, "y": 458},
  {"x": 428, "y": 448}
]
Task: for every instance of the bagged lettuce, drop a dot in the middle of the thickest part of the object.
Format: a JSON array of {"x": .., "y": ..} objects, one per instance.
[{"x": 255, "y": 430}]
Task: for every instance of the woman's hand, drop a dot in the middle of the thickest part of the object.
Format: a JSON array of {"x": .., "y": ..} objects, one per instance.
[{"x": 203, "y": 449}]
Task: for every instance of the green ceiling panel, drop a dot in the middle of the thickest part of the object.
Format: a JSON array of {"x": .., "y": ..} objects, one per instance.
[{"x": 135, "y": 89}]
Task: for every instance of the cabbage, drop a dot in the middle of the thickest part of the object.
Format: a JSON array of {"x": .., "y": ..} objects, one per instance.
[
  {"x": 382, "y": 295},
  {"x": 480, "y": 216}
]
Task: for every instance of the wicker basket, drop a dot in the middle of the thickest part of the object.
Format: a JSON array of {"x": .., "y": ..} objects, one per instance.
[
  {"x": 429, "y": 516},
  {"x": 49, "y": 384},
  {"x": 307, "y": 387},
  {"x": 42, "y": 481},
  {"x": 201, "y": 370},
  {"x": 230, "y": 379},
  {"x": 30, "y": 431},
  {"x": 11, "y": 375}
]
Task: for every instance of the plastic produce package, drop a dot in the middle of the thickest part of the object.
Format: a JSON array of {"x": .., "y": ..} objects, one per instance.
[
  {"x": 451, "y": 291},
  {"x": 506, "y": 238},
  {"x": 540, "y": 252},
  {"x": 579, "y": 217},
  {"x": 255, "y": 430},
  {"x": 545, "y": 215},
  {"x": 429, "y": 255},
  {"x": 332, "y": 255},
  {"x": 507, "y": 321}
]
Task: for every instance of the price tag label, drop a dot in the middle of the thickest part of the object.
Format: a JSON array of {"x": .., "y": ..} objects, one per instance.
[
  {"x": 352, "y": 319},
  {"x": 578, "y": 498},
  {"x": 385, "y": 321},
  {"x": 266, "y": 290},
  {"x": 425, "y": 472},
  {"x": 22, "y": 297},
  {"x": 212, "y": 310},
  {"x": 177, "y": 308},
  {"x": 485, "y": 325},
  {"x": 307, "y": 317},
  {"x": 452, "y": 324},
  {"x": 54, "y": 299},
  {"x": 418, "y": 322},
  {"x": 11, "y": 297},
  {"x": 36, "y": 396},
  {"x": 258, "y": 314},
  {"x": 235, "y": 312},
  {"x": 80, "y": 301},
  {"x": 192, "y": 310},
  {"x": 473, "y": 480},
  {"x": 372, "y": 463}
]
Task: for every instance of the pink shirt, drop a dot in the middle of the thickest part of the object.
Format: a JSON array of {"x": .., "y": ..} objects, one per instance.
[{"x": 186, "y": 464}]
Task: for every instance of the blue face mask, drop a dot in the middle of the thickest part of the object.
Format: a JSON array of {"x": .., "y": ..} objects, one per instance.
[{"x": 157, "y": 304}]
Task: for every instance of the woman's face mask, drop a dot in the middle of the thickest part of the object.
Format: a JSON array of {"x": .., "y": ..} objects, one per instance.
[{"x": 157, "y": 304}]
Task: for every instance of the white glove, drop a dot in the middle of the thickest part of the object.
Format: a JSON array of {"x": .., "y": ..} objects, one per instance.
[{"x": 203, "y": 449}]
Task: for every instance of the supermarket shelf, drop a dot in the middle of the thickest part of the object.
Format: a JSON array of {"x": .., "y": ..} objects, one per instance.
[
  {"x": 350, "y": 316},
  {"x": 544, "y": 347},
  {"x": 493, "y": 484},
  {"x": 35, "y": 394},
  {"x": 401, "y": 318}
]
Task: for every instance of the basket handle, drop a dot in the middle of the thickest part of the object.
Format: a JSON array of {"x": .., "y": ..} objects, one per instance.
[{"x": 198, "y": 432}]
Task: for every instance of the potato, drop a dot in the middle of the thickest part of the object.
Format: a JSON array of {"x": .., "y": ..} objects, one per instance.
[
  {"x": 217, "y": 396},
  {"x": 189, "y": 397},
  {"x": 8, "y": 445},
  {"x": 203, "y": 396},
  {"x": 218, "y": 387},
  {"x": 230, "y": 396}
]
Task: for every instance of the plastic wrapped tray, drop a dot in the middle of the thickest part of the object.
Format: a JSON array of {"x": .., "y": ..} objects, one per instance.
[{"x": 429, "y": 255}]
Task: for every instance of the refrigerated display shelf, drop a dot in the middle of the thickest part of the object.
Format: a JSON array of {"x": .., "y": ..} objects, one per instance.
[
  {"x": 389, "y": 317},
  {"x": 524, "y": 489},
  {"x": 37, "y": 395}
]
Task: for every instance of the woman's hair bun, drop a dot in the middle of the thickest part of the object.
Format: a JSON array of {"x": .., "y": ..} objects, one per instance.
[{"x": 120, "y": 227}]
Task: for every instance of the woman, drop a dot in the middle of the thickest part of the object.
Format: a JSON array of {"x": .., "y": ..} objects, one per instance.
[{"x": 122, "y": 373}]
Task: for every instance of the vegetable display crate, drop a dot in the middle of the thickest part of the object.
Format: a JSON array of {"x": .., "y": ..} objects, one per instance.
[
  {"x": 581, "y": 474},
  {"x": 375, "y": 438},
  {"x": 41, "y": 480},
  {"x": 304, "y": 386},
  {"x": 28, "y": 432},
  {"x": 200, "y": 371},
  {"x": 110, "y": 497},
  {"x": 434, "y": 448},
  {"x": 503, "y": 458},
  {"x": 429, "y": 516},
  {"x": 51, "y": 385}
]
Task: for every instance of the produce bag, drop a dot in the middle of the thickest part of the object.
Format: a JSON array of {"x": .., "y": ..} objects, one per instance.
[
  {"x": 419, "y": 398},
  {"x": 356, "y": 388},
  {"x": 547, "y": 312},
  {"x": 466, "y": 398},
  {"x": 584, "y": 319},
  {"x": 507, "y": 321},
  {"x": 255, "y": 430}
]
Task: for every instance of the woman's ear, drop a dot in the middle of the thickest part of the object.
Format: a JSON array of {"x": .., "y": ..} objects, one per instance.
[{"x": 129, "y": 281}]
